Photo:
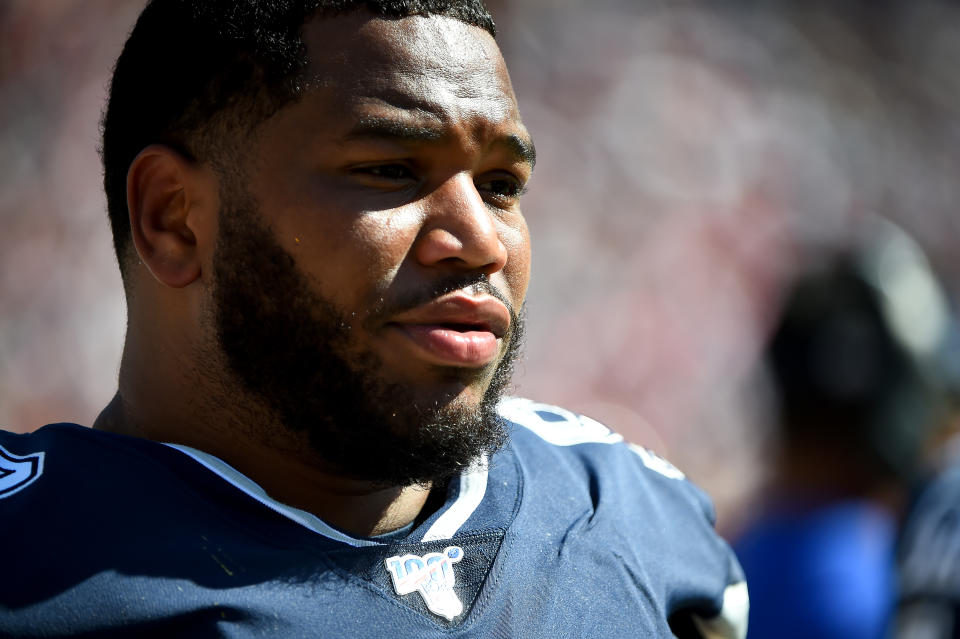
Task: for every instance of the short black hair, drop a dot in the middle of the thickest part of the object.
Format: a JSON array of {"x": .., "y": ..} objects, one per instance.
[{"x": 192, "y": 69}]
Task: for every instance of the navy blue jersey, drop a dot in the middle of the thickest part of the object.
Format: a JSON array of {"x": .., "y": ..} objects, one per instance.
[
  {"x": 566, "y": 532},
  {"x": 929, "y": 563}
]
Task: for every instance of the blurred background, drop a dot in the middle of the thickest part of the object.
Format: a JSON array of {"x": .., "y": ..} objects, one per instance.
[{"x": 693, "y": 160}]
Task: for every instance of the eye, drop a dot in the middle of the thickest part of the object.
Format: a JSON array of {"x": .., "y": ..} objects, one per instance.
[
  {"x": 386, "y": 171},
  {"x": 506, "y": 189}
]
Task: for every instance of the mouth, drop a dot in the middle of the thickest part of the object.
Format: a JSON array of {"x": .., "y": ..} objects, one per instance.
[
  {"x": 455, "y": 330},
  {"x": 452, "y": 345},
  {"x": 466, "y": 327}
]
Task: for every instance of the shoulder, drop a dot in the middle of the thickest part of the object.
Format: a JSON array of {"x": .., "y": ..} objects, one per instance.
[
  {"x": 546, "y": 433},
  {"x": 633, "y": 503},
  {"x": 70, "y": 442},
  {"x": 63, "y": 465},
  {"x": 49, "y": 478},
  {"x": 21, "y": 462},
  {"x": 630, "y": 490},
  {"x": 50, "y": 436},
  {"x": 23, "y": 456}
]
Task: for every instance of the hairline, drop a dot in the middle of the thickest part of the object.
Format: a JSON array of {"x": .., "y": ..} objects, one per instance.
[{"x": 205, "y": 142}]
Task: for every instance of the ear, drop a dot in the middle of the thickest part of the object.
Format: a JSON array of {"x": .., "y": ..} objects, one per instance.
[{"x": 168, "y": 197}]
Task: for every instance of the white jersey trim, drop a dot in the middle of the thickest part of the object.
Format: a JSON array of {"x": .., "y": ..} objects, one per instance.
[
  {"x": 569, "y": 430},
  {"x": 565, "y": 428},
  {"x": 237, "y": 479},
  {"x": 731, "y": 623},
  {"x": 473, "y": 486}
]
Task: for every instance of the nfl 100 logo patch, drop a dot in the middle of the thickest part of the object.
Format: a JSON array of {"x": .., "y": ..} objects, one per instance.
[{"x": 432, "y": 575}]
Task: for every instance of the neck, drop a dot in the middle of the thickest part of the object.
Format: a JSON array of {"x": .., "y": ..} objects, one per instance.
[
  {"x": 280, "y": 461},
  {"x": 174, "y": 387}
]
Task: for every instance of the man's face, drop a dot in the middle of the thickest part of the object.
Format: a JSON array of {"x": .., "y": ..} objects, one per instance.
[{"x": 370, "y": 277}]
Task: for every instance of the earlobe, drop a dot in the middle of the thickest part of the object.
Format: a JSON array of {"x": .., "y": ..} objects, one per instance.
[{"x": 164, "y": 200}]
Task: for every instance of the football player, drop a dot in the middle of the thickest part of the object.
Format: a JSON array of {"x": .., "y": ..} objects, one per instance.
[
  {"x": 316, "y": 210},
  {"x": 857, "y": 391}
]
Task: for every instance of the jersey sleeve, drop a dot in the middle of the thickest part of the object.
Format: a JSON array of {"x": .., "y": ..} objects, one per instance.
[
  {"x": 663, "y": 523},
  {"x": 731, "y": 621},
  {"x": 726, "y": 614}
]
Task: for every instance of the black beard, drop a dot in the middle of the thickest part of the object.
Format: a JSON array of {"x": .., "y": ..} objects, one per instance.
[{"x": 290, "y": 347}]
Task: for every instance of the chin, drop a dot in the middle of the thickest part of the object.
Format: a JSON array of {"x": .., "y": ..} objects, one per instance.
[{"x": 451, "y": 395}]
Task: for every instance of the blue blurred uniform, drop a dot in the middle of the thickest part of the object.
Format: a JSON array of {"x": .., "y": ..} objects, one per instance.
[{"x": 825, "y": 572}]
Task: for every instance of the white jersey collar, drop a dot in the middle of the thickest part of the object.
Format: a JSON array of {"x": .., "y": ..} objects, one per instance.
[{"x": 473, "y": 486}]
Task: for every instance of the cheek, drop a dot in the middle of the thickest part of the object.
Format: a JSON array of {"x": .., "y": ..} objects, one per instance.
[
  {"x": 517, "y": 270},
  {"x": 387, "y": 237},
  {"x": 352, "y": 258}
]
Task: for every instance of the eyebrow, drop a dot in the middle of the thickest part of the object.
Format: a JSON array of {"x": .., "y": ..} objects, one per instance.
[
  {"x": 380, "y": 128},
  {"x": 522, "y": 148},
  {"x": 405, "y": 132}
]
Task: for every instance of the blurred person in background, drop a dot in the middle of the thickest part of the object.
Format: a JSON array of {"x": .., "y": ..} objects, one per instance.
[{"x": 853, "y": 362}]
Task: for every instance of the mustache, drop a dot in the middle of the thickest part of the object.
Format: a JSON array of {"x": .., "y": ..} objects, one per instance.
[{"x": 473, "y": 283}]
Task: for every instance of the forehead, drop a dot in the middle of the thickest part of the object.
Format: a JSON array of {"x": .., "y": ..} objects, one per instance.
[{"x": 434, "y": 66}]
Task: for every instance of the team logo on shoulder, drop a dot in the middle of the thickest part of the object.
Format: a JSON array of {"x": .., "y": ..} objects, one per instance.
[
  {"x": 432, "y": 575},
  {"x": 18, "y": 471}
]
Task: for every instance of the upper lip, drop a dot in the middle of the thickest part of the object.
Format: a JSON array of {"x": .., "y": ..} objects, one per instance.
[{"x": 467, "y": 312}]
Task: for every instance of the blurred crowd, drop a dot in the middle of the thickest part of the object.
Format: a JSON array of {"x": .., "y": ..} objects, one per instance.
[{"x": 695, "y": 159}]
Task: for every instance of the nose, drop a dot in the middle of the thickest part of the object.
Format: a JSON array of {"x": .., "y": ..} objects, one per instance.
[{"x": 460, "y": 230}]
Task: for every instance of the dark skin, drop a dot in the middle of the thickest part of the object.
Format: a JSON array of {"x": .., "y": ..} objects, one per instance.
[{"x": 401, "y": 166}]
